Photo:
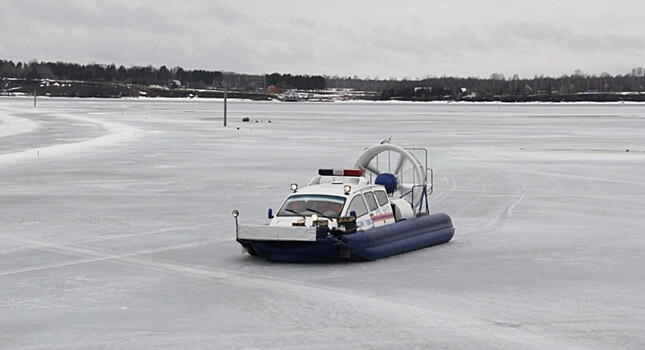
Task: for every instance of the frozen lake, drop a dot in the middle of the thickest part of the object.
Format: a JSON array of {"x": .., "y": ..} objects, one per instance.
[{"x": 116, "y": 232}]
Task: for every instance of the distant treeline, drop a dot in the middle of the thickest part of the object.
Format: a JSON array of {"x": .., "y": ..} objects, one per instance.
[
  {"x": 302, "y": 82},
  {"x": 575, "y": 87},
  {"x": 578, "y": 86},
  {"x": 149, "y": 75}
]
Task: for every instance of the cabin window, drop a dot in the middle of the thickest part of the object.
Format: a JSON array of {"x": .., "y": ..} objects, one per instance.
[
  {"x": 357, "y": 205},
  {"x": 381, "y": 196},
  {"x": 307, "y": 204},
  {"x": 371, "y": 201}
]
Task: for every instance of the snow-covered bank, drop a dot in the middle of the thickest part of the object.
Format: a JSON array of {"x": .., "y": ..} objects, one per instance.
[
  {"x": 113, "y": 133},
  {"x": 10, "y": 125}
]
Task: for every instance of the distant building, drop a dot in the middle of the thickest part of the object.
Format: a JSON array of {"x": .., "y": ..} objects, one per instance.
[
  {"x": 173, "y": 84},
  {"x": 290, "y": 96}
]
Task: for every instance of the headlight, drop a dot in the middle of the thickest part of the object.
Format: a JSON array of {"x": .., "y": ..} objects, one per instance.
[{"x": 314, "y": 217}]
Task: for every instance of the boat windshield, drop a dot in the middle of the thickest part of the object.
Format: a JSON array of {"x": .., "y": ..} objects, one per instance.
[{"x": 308, "y": 204}]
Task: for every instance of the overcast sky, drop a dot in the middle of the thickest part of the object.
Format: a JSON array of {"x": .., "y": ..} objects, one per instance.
[{"x": 384, "y": 39}]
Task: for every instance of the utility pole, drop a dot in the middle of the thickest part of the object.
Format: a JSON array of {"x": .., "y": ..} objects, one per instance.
[
  {"x": 225, "y": 97},
  {"x": 35, "y": 94}
]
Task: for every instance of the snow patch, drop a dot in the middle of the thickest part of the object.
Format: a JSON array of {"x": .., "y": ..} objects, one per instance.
[
  {"x": 115, "y": 133},
  {"x": 10, "y": 125}
]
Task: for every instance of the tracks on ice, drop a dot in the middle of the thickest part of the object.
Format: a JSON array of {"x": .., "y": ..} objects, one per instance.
[
  {"x": 336, "y": 310},
  {"x": 481, "y": 198},
  {"x": 114, "y": 133}
]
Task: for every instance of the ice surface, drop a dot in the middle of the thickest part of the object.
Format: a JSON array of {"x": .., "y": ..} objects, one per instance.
[{"x": 115, "y": 227}]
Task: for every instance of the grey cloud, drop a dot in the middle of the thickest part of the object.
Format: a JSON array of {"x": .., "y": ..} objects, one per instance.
[
  {"x": 366, "y": 38},
  {"x": 521, "y": 35}
]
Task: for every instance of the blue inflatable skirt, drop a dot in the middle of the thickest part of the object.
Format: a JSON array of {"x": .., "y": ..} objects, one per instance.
[{"x": 372, "y": 244}]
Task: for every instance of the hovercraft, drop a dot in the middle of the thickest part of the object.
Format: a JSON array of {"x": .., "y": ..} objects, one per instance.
[{"x": 376, "y": 209}]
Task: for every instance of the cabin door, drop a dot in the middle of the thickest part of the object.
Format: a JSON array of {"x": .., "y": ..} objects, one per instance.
[
  {"x": 363, "y": 218},
  {"x": 379, "y": 208}
]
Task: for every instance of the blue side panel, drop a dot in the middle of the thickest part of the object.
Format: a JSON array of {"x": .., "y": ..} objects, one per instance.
[
  {"x": 296, "y": 251},
  {"x": 400, "y": 237}
]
